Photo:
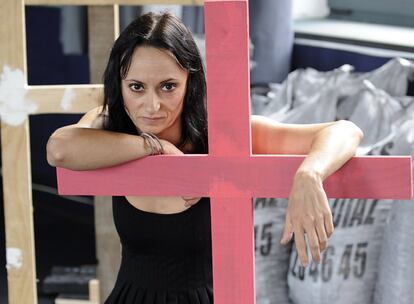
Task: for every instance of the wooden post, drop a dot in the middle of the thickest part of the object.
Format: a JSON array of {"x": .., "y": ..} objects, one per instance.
[
  {"x": 103, "y": 28},
  {"x": 17, "y": 185},
  {"x": 17, "y": 181}
]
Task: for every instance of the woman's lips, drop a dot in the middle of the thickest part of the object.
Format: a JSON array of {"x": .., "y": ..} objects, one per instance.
[{"x": 152, "y": 120}]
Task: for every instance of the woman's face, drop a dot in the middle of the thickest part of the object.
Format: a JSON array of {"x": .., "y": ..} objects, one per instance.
[{"x": 153, "y": 92}]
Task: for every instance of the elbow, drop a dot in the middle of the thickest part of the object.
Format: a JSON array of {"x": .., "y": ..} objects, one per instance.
[
  {"x": 354, "y": 129},
  {"x": 55, "y": 151}
]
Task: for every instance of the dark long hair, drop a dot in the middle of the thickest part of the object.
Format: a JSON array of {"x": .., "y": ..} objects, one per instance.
[{"x": 162, "y": 31}]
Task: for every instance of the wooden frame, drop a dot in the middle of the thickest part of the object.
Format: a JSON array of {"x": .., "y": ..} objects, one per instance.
[
  {"x": 17, "y": 168},
  {"x": 17, "y": 182}
]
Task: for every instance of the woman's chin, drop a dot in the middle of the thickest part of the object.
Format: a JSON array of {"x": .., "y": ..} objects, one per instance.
[{"x": 153, "y": 130}]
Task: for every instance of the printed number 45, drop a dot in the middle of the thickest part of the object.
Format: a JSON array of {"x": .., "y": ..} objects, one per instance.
[{"x": 265, "y": 234}]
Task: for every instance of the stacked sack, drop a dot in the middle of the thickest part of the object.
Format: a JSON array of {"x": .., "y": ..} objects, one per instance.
[
  {"x": 271, "y": 258},
  {"x": 396, "y": 275},
  {"x": 351, "y": 267}
]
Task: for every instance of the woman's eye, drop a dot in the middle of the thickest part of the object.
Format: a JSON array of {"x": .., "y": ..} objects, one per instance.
[
  {"x": 136, "y": 87},
  {"x": 168, "y": 86}
]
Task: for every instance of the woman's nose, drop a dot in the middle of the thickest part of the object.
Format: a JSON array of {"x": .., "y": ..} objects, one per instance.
[{"x": 152, "y": 103}]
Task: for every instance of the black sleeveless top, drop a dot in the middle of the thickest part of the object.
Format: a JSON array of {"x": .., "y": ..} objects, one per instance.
[{"x": 166, "y": 258}]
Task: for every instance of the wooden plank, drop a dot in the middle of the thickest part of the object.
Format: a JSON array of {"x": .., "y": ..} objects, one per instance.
[
  {"x": 108, "y": 249},
  {"x": 101, "y": 33},
  {"x": 228, "y": 91},
  {"x": 65, "y": 98},
  {"x": 18, "y": 211},
  {"x": 94, "y": 286},
  {"x": 12, "y": 31},
  {"x": 233, "y": 248},
  {"x": 17, "y": 186},
  {"x": 117, "y": 23},
  {"x": 361, "y": 177},
  {"x": 227, "y": 53},
  {"x": 111, "y": 2},
  {"x": 103, "y": 28}
]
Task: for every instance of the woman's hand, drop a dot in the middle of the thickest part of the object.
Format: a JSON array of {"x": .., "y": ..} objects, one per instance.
[
  {"x": 190, "y": 201},
  {"x": 308, "y": 213},
  {"x": 170, "y": 149}
]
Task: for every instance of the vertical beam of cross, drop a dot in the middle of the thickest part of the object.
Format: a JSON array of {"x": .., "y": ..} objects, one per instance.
[
  {"x": 227, "y": 52},
  {"x": 228, "y": 89}
]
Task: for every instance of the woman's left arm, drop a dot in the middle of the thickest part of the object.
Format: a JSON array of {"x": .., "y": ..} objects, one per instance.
[{"x": 328, "y": 147}]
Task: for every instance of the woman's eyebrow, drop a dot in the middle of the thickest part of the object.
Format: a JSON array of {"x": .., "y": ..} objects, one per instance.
[
  {"x": 169, "y": 79},
  {"x": 134, "y": 80},
  {"x": 163, "y": 81}
]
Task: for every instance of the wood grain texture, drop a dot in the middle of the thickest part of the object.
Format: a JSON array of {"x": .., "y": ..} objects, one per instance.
[
  {"x": 49, "y": 98},
  {"x": 17, "y": 185},
  {"x": 102, "y": 32},
  {"x": 233, "y": 247},
  {"x": 257, "y": 176},
  {"x": 228, "y": 90},
  {"x": 103, "y": 28},
  {"x": 18, "y": 211},
  {"x": 108, "y": 249},
  {"x": 13, "y": 35},
  {"x": 111, "y": 2}
]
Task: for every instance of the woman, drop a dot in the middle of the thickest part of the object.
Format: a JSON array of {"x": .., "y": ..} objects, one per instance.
[{"x": 155, "y": 103}]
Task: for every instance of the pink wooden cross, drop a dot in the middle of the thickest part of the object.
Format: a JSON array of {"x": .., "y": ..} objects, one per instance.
[{"x": 230, "y": 174}]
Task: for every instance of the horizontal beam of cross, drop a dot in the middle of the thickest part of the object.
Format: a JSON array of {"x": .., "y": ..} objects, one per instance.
[{"x": 361, "y": 177}]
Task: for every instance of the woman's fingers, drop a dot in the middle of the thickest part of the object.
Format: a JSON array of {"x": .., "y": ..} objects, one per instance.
[
  {"x": 316, "y": 235},
  {"x": 190, "y": 201},
  {"x": 310, "y": 215},
  {"x": 313, "y": 242},
  {"x": 327, "y": 214},
  {"x": 316, "y": 239},
  {"x": 321, "y": 234},
  {"x": 287, "y": 231},
  {"x": 328, "y": 221},
  {"x": 301, "y": 245}
]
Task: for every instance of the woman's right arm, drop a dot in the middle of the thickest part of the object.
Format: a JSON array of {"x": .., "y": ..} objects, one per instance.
[{"x": 86, "y": 146}]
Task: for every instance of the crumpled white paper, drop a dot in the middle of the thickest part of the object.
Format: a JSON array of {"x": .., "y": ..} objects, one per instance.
[
  {"x": 14, "y": 258},
  {"x": 14, "y": 106}
]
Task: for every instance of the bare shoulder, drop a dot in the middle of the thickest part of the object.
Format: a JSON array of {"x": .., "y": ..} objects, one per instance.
[{"x": 94, "y": 119}]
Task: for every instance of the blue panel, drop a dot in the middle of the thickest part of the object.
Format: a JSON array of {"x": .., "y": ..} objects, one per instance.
[{"x": 45, "y": 59}]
